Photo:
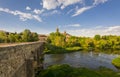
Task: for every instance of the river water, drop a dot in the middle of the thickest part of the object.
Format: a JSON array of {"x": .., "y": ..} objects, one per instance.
[{"x": 90, "y": 60}]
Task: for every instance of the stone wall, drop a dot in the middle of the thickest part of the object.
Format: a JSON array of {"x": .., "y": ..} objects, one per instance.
[{"x": 21, "y": 60}]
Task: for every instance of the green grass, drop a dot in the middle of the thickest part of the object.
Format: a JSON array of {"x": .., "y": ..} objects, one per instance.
[
  {"x": 52, "y": 49},
  {"x": 65, "y": 70},
  {"x": 116, "y": 62},
  {"x": 73, "y": 48}
]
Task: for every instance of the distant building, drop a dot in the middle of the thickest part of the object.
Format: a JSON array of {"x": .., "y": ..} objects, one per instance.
[
  {"x": 57, "y": 29},
  {"x": 65, "y": 34},
  {"x": 42, "y": 37}
]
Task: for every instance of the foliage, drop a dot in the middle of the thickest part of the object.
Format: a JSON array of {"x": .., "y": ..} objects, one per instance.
[
  {"x": 3, "y": 36},
  {"x": 73, "y": 48},
  {"x": 55, "y": 49},
  {"x": 65, "y": 70},
  {"x": 25, "y": 36},
  {"x": 116, "y": 62},
  {"x": 57, "y": 39},
  {"x": 60, "y": 43},
  {"x": 97, "y": 37}
]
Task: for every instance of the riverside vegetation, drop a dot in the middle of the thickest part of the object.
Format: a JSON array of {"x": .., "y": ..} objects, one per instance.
[
  {"x": 116, "y": 62},
  {"x": 65, "y": 70},
  {"x": 59, "y": 43},
  {"x": 62, "y": 42},
  {"x": 25, "y": 36}
]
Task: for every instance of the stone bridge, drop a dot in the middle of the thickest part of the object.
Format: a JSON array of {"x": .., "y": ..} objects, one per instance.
[{"x": 21, "y": 60}]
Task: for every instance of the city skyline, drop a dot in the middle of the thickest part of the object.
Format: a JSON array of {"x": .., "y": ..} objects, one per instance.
[{"x": 77, "y": 17}]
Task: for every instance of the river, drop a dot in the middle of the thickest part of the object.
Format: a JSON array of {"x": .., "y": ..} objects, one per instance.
[{"x": 90, "y": 60}]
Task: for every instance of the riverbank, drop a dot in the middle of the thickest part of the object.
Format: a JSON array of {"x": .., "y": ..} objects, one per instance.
[
  {"x": 62, "y": 50},
  {"x": 58, "y": 42},
  {"x": 52, "y": 49},
  {"x": 116, "y": 62},
  {"x": 65, "y": 70}
]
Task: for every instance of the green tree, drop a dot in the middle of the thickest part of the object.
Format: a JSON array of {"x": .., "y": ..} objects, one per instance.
[
  {"x": 26, "y": 35},
  {"x": 34, "y": 37},
  {"x": 11, "y": 37},
  {"x": 97, "y": 37},
  {"x": 3, "y": 37},
  {"x": 57, "y": 39}
]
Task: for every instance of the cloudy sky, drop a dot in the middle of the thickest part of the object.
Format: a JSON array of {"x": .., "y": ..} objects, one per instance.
[{"x": 77, "y": 17}]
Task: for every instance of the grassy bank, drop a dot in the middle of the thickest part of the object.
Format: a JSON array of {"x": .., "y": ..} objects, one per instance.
[
  {"x": 65, "y": 70},
  {"x": 116, "y": 62},
  {"x": 52, "y": 49}
]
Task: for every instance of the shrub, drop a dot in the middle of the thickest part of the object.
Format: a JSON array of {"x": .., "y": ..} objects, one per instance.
[{"x": 116, "y": 62}]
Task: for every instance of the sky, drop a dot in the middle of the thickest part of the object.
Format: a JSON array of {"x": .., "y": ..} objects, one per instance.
[{"x": 76, "y": 17}]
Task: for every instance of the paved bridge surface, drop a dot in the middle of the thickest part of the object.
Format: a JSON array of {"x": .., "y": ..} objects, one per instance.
[{"x": 21, "y": 60}]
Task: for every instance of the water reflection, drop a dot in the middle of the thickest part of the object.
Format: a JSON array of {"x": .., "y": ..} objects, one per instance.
[{"x": 81, "y": 59}]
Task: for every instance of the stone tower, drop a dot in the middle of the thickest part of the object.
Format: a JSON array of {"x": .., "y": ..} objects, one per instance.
[
  {"x": 57, "y": 29},
  {"x": 65, "y": 33}
]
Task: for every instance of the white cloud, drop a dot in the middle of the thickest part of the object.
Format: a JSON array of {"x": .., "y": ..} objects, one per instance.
[
  {"x": 53, "y": 4},
  {"x": 65, "y": 3},
  {"x": 28, "y": 8},
  {"x": 51, "y": 13},
  {"x": 37, "y": 11},
  {"x": 81, "y": 10},
  {"x": 55, "y": 12},
  {"x": 96, "y": 2},
  {"x": 73, "y": 25},
  {"x": 37, "y": 18},
  {"x": 23, "y": 16},
  {"x": 50, "y": 4},
  {"x": 72, "y": 10},
  {"x": 85, "y": 8},
  {"x": 76, "y": 25},
  {"x": 112, "y": 30}
]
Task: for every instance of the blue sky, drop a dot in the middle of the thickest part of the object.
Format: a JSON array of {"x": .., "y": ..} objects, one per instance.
[{"x": 77, "y": 17}]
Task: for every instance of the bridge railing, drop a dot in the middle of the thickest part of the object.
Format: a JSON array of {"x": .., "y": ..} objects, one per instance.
[{"x": 21, "y": 60}]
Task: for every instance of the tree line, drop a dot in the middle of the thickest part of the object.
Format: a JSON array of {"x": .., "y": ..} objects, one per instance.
[
  {"x": 57, "y": 40},
  {"x": 25, "y": 36}
]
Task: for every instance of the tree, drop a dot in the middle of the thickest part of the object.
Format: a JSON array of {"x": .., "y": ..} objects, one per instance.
[
  {"x": 3, "y": 37},
  {"x": 34, "y": 37},
  {"x": 97, "y": 37},
  {"x": 11, "y": 38},
  {"x": 26, "y": 35},
  {"x": 57, "y": 39}
]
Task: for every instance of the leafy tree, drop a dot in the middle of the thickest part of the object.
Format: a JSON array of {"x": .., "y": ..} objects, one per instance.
[
  {"x": 97, "y": 37},
  {"x": 57, "y": 39},
  {"x": 18, "y": 38},
  {"x": 11, "y": 37},
  {"x": 34, "y": 37},
  {"x": 3, "y": 37},
  {"x": 26, "y": 35}
]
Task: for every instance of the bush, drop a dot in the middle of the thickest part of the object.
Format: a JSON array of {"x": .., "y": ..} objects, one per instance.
[
  {"x": 65, "y": 70},
  {"x": 116, "y": 62},
  {"x": 73, "y": 48}
]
